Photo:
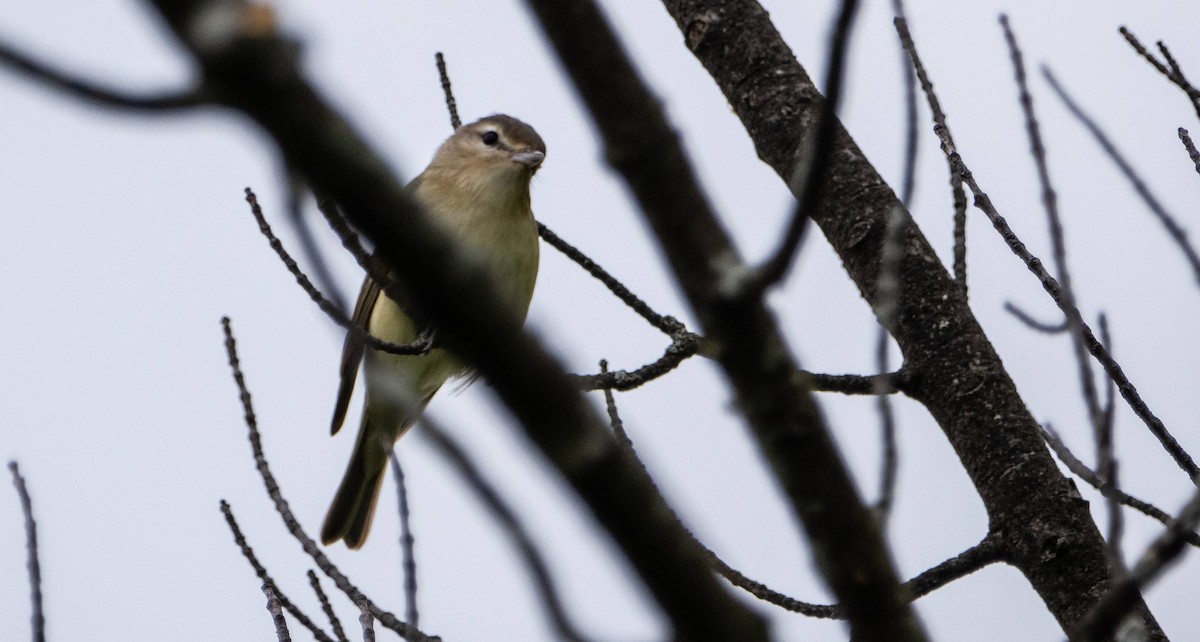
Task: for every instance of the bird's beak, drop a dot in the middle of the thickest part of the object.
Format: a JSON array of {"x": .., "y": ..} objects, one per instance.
[{"x": 529, "y": 159}]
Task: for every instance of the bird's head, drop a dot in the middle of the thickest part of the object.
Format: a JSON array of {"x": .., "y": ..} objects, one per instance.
[{"x": 496, "y": 155}]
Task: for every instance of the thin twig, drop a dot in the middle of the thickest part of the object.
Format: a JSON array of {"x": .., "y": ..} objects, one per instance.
[
  {"x": 614, "y": 417},
  {"x": 1058, "y": 244},
  {"x": 1190, "y": 147},
  {"x": 1081, "y": 470},
  {"x": 1173, "y": 73},
  {"x": 956, "y": 186},
  {"x": 163, "y": 103},
  {"x": 1106, "y": 461},
  {"x": 1176, "y": 232},
  {"x": 682, "y": 347},
  {"x": 1177, "y": 73},
  {"x": 265, "y": 577},
  {"x": 809, "y": 186},
  {"x": 507, "y": 518},
  {"x": 367, "y": 622},
  {"x": 408, "y": 558},
  {"x": 667, "y": 324},
  {"x": 451, "y": 104},
  {"x": 276, "y": 611},
  {"x": 909, "y": 174},
  {"x": 1034, "y": 264},
  {"x": 333, "y": 310},
  {"x": 37, "y": 619},
  {"x": 315, "y": 582},
  {"x": 295, "y": 206},
  {"x": 285, "y": 512},
  {"x": 956, "y": 567},
  {"x": 1034, "y": 324}
]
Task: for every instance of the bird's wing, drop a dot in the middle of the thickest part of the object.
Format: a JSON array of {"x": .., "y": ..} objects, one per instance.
[{"x": 352, "y": 350}]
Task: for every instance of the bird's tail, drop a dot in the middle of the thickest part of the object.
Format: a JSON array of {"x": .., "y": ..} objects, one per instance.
[{"x": 349, "y": 517}]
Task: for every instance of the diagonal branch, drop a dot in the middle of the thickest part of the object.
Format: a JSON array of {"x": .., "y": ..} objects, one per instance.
[
  {"x": 166, "y": 102},
  {"x": 847, "y": 543},
  {"x": 955, "y": 372}
]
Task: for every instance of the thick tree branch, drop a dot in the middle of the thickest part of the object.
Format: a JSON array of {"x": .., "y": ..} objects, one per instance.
[{"x": 1045, "y": 529}]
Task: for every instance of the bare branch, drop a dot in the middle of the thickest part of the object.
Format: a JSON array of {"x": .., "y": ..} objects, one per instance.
[
  {"x": 849, "y": 384},
  {"x": 273, "y": 607},
  {"x": 162, "y": 103},
  {"x": 1034, "y": 324},
  {"x": 421, "y": 346},
  {"x": 1176, "y": 232},
  {"x": 451, "y": 104},
  {"x": 37, "y": 619},
  {"x": 1081, "y": 470},
  {"x": 810, "y": 181},
  {"x": 667, "y": 324},
  {"x": 1058, "y": 244},
  {"x": 1106, "y": 461},
  {"x": 1128, "y": 391},
  {"x": 285, "y": 512},
  {"x": 889, "y": 302},
  {"x": 956, "y": 187},
  {"x": 509, "y": 523},
  {"x": 1107, "y": 615},
  {"x": 408, "y": 558},
  {"x": 315, "y": 582},
  {"x": 265, "y": 577},
  {"x": 1190, "y": 147},
  {"x": 367, "y": 622},
  {"x": 683, "y": 346}
]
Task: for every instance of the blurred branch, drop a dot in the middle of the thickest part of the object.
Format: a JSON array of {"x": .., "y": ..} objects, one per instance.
[
  {"x": 165, "y": 102},
  {"x": 285, "y": 512},
  {"x": 889, "y": 294},
  {"x": 266, "y": 579},
  {"x": 1176, "y": 232},
  {"x": 1125, "y": 595},
  {"x": 509, "y": 523},
  {"x": 848, "y": 547},
  {"x": 849, "y": 384},
  {"x": 367, "y": 622},
  {"x": 1034, "y": 324},
  {"x": 810, "y": 180},
  {"x": 37, "y": 619}
]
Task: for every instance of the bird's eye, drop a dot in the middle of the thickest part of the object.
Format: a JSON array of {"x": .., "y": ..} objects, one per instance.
[{"x": 490, "y": 138}]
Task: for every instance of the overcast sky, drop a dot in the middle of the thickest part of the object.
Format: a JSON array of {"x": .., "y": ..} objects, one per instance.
[{"x": 125, "y": 238}]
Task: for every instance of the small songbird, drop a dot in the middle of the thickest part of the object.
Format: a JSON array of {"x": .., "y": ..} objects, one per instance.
[{"x": 477, "y": 189}]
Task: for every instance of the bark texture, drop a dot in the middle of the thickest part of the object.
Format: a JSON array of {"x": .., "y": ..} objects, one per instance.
[{"x": 1044, "y": 525}]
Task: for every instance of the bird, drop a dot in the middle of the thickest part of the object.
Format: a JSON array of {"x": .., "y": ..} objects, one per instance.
[{"x": 477, "y": 189}]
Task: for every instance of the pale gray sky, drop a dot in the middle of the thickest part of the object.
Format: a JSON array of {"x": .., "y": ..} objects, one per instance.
[{"x": 125, "y": 238}]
